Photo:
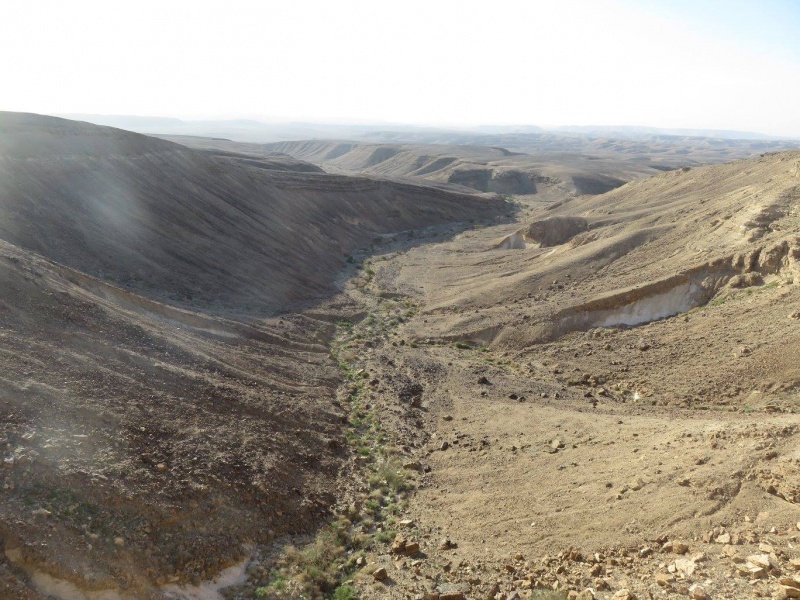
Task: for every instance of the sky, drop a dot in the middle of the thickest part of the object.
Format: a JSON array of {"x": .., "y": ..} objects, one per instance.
[{"x": 672, "y": 63}]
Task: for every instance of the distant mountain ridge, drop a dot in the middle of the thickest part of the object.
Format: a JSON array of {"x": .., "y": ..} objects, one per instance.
[
  {"x": 254, "y": 130},
  {"x": 638, "y": 132}
]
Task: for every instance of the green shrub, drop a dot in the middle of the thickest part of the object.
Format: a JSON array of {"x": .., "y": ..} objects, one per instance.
[
  {"x": 390, "y": 473},
  {"x": 385, "y": 537},
  {"x": 345, "y": 592}
]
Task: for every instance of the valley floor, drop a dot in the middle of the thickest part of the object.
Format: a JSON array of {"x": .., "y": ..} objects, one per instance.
[{"x": 592, "y": 464}]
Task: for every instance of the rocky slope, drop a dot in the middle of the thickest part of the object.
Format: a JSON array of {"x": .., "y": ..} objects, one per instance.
[
  {"x": 157, "y": 419},
  {"x": 609, "y": 409}
]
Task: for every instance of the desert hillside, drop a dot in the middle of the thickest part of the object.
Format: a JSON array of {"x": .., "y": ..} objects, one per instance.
[
  {"x": 608, "y": 392},
  {"x": 481, "y": 167},
  {"x": 158, "y": 418},
  {"x": 225, "y": 374},
  {"x": 474, "y": 167},
  {"x": 520, "y": 164},
  {"x": 183, "y": 226}
]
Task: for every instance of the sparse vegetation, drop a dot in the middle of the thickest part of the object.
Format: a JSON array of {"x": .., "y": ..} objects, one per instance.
[
  {"x": 745, "y": 293},
  {"x": 321, "y": 568},
  {"x": 344, "y": 592},
  {"x": 315, "y": 571}
]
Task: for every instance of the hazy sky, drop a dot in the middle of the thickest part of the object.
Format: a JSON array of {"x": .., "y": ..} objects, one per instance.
[{"x": 673, "y": 63}]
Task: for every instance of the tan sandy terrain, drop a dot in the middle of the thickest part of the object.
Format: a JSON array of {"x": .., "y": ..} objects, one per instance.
[
  {"x": 526, "y": 164},
  {"x": 484, "y": 168},
  {"x": 610, "y": 403}
]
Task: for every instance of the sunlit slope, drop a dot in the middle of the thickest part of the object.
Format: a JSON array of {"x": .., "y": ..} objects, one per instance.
[
  {"x": 650, "y": 235},
  {"x": 524, "y": 163},
  {"x": 718, "y": 246}
]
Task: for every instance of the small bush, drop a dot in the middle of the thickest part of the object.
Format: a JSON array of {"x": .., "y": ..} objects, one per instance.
[
  {"x": 390, "y": 473},
  {"x": 385, "y": 537},
  {"x": 313, "y": 571},
  {"x": 345, "y": 592}
]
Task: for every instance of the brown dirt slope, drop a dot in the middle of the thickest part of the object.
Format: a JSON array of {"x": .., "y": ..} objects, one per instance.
[
  {"x": 151, "y": 426},
  {"x": 180, "y": 434}
]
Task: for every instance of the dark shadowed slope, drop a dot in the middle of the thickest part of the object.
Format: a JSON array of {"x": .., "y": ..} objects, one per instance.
[
  {"x": 184, "y": 226},
  {"x": 141, "y": 443}
]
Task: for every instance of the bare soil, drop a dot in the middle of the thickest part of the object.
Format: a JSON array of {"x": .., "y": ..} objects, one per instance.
[
  {"x": 589, "y": 394},
  {"x": 156, "y": 425},
  {"x": 564, "y": 448}
]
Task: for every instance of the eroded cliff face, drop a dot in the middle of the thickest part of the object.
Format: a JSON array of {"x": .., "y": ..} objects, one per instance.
[{"x": 649, "y": 250}]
